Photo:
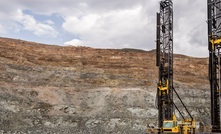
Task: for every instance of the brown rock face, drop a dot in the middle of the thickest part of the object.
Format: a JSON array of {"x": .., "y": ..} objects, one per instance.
[{"x": 53, "y": 89}]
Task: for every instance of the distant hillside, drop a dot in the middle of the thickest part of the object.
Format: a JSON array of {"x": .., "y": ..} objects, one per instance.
[{"x": 54, "y": 89}]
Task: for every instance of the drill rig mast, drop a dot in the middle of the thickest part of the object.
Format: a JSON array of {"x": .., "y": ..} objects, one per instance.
[
  {"x": 164, "y": 58},
  {"x": 214, "y": 43},
  {"x": 167, "y": 122}
]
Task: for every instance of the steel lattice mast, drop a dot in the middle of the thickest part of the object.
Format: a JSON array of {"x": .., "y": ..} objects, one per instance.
[
  {"x": 214, "y": 41},
  {"x": 165, "y": 61}
]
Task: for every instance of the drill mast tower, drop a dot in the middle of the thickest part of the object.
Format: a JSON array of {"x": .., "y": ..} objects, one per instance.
[
  {"x": 214, "y": 45},
  {"x": 164, "y": 58}
]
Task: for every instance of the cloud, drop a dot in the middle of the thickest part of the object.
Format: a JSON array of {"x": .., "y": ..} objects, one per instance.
[
  {"x": 190, "y": 28},
  {"x": 118, "y": 28},
  {"x": 29, "y": 23},
  {"x": 75, "y": 42},
  {"x": 2, "y": 29},
  {"x": 49, "y": 22}
]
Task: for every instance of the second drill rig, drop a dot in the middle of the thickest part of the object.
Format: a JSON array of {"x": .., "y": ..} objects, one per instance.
[{"x": 214, "y": 41}]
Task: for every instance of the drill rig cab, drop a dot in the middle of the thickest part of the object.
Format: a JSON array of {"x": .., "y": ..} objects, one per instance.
[
  {"x": 187, "y": 126},
  {"x": 171, "y": 125}
]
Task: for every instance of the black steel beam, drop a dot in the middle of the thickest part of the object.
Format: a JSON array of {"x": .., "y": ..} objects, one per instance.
[
  {"x": 158, "y": 41},
  {"x": 209, "y": 14},
  {"x": 182, "y": 104},
  {"x": 178, "y": 110}
]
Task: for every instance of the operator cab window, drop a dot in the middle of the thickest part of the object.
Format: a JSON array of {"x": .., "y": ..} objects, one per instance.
[{"x": 168, "y": 124}]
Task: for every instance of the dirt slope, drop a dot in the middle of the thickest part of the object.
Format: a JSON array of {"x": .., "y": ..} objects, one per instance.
[{"x": 53, "y": 89}]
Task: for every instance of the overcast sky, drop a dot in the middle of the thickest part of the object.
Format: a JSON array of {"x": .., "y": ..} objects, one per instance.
[{"x": 104, "y": 23}]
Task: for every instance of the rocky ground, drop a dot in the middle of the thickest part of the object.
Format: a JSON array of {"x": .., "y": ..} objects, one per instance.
[{"x": 48, "y": 89}]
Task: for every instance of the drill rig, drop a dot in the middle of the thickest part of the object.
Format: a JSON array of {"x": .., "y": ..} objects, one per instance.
[
  {"x": 164, "y": 61},
  {"x": 167, "y": 122},
  {"x": 214, "y": 46}
]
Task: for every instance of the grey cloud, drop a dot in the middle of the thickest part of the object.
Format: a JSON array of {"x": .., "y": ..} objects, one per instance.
[
  {"x": 190, "y": 27},
  {"x": 106, "y": 5}
]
